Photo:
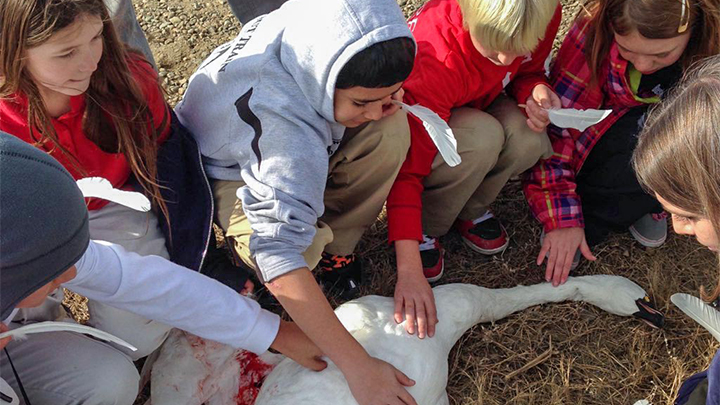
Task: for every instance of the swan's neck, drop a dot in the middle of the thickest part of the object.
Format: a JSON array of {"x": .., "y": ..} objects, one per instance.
[{"x": 460, "y": 306}]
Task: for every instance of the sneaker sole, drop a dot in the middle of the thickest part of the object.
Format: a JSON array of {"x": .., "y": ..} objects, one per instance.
[
  {"x": 436, "y": 278},
  {"x": 651, "y": 243},
  {"x": 487, "y": 252}
]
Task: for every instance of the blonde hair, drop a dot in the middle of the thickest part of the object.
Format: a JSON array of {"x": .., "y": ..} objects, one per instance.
[
  {"x": 508, "y": 25},
  {"x": 678, "y": 153}
]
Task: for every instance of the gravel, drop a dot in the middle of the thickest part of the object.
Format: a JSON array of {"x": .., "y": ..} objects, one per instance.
[{"x": 182, "y": 33}]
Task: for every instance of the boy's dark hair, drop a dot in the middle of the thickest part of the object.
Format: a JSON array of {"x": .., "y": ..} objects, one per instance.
[{"x": 381, "y": 65}]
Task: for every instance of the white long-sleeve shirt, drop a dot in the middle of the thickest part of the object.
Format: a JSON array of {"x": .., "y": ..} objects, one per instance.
[{"x": 160, "y": 290}]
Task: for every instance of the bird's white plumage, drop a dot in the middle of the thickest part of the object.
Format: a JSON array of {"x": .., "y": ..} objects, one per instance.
[
  {"x": 460, "y": 306},
  {"x": 191, "y": 371}
]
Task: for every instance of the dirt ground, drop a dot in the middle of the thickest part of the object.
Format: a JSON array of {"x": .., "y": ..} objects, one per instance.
[{"x": 596, "y": 358}]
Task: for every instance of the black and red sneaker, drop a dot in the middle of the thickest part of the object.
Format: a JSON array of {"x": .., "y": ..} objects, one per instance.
[
  {"x": 484, "y": 235},
  {"x": 432, "y": 256},
  {"x": 340, "y": 274}
]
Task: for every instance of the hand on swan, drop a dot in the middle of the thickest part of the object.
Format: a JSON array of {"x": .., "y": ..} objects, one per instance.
[
  {"x": 292, "y": 342},
  {"x": 375, "y": 382},
  {"x": 560, "y": 246},
  {"x": 414, "y": 299}
]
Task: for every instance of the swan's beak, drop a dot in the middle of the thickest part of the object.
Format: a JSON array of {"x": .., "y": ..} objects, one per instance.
[{"x": 648, "y": 314}]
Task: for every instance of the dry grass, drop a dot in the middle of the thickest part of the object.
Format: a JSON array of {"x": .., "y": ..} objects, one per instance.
[{"x": 596, "y": 358}]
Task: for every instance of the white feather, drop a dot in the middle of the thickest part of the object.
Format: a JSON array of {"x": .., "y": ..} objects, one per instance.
[
  {"x": 42, "y": 327},
  {"x": 702, "y": 313},
  {"x": 577, "y": 119},
  {"x": 99, "y": 187},
  {"x": 439, "y": 131}
]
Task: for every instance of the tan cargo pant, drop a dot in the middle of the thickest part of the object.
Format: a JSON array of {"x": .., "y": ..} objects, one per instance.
[
  {"x": 361, "y": 173},
  {"x": 495, "y": 146}
]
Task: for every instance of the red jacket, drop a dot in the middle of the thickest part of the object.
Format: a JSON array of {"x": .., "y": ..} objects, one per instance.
[
  {"x": 450, "y": 73},
  {"x": 112, "y": 166}
]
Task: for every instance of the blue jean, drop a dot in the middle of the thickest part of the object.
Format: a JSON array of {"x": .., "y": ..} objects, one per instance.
[
  {"x": 246, "y": 10},
  {"x": 127, "y": 26}
]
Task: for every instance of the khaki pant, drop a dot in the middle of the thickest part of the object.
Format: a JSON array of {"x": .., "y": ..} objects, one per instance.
[
  {"x": 361, "y": 173},
  {"x": 495, "y": 146}
]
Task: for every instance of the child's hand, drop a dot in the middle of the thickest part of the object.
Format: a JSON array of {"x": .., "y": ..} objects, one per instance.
[
  {"x": 375, "y": 382},
  {"x": 542, "y": 99},
  {"x": 415, "y": 302},
  {"x": 390, "y": 108},
  {"x": 292, "y": 342},
  {"x": 560, "y": 246},
  {"x": 248, "y": 289},
  {"x": 4, "y": 342},
  {"x": 414, "y": 299}
]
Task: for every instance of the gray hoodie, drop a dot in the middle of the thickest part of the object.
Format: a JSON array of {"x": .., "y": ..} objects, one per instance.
[{"x": 261, "y": 109}]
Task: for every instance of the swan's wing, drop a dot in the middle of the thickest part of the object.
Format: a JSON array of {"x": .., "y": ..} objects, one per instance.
[{"x": 699, "y": 311}]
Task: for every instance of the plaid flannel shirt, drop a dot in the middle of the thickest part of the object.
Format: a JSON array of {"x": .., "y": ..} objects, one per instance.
[{"x": 550, "y": 186}]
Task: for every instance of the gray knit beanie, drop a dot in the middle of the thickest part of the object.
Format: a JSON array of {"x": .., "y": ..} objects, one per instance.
[{"x": 43, "y": 221}]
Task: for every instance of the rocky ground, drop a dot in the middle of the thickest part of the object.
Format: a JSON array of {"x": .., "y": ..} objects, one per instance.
[
  {"x": 595, "y": 358},
  {"x": 182, "y": 33}
]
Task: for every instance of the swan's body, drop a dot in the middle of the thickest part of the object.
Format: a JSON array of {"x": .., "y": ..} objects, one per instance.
[
  {"x": 460, "y": 306},
  {"x": 194, "y": 371},
  {"x": 191, "y": 371}
]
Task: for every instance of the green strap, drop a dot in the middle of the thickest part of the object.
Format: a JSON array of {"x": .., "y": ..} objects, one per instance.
[{"x": 634, "y": 77}]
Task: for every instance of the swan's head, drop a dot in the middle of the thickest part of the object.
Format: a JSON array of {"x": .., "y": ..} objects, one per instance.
[{"x": 620, "y": 296}]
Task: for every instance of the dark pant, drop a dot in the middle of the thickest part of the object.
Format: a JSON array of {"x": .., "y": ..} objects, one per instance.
[
  {"x": 246, "y": 10},
  {"x": 612, "y": 198}
]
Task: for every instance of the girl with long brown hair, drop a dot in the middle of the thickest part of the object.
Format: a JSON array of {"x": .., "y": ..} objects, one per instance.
[
  {"x": 620, "y": 55},
  {"x": 677, "y": 160},
  {"x": 71, "y": 88}
]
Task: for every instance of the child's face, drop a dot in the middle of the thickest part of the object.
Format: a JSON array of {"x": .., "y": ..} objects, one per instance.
[
  {"x": 496, "y": 57},
  {"x": 650, "y": 55},
  {"x": 38, "y": 297},
  {"x": 358, "y": 105},
  {"x": 687, "y": 223},
  {"x": 64, "y": 63}
]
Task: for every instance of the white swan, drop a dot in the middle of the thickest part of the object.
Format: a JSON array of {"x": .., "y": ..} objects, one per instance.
[
  {"x": 460, "y": 306},
  {"x": 191, "y": 371}
]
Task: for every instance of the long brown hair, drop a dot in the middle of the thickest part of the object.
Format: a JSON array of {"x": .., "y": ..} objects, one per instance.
[
  {"x": 678, "y": 154},
  {"x": 653, "y": 19},
  {"x": 117, "y": 117}
]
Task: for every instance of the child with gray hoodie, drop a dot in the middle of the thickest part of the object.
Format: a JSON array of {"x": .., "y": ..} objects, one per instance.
[
  {"x": 45, "y": 243},
  {"x": 275, "y": 113}
]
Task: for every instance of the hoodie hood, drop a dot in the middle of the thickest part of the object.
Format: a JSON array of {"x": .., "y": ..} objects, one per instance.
[
  {"x": 323, "y": 35},
  {"x": 261, "y": 108}
]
